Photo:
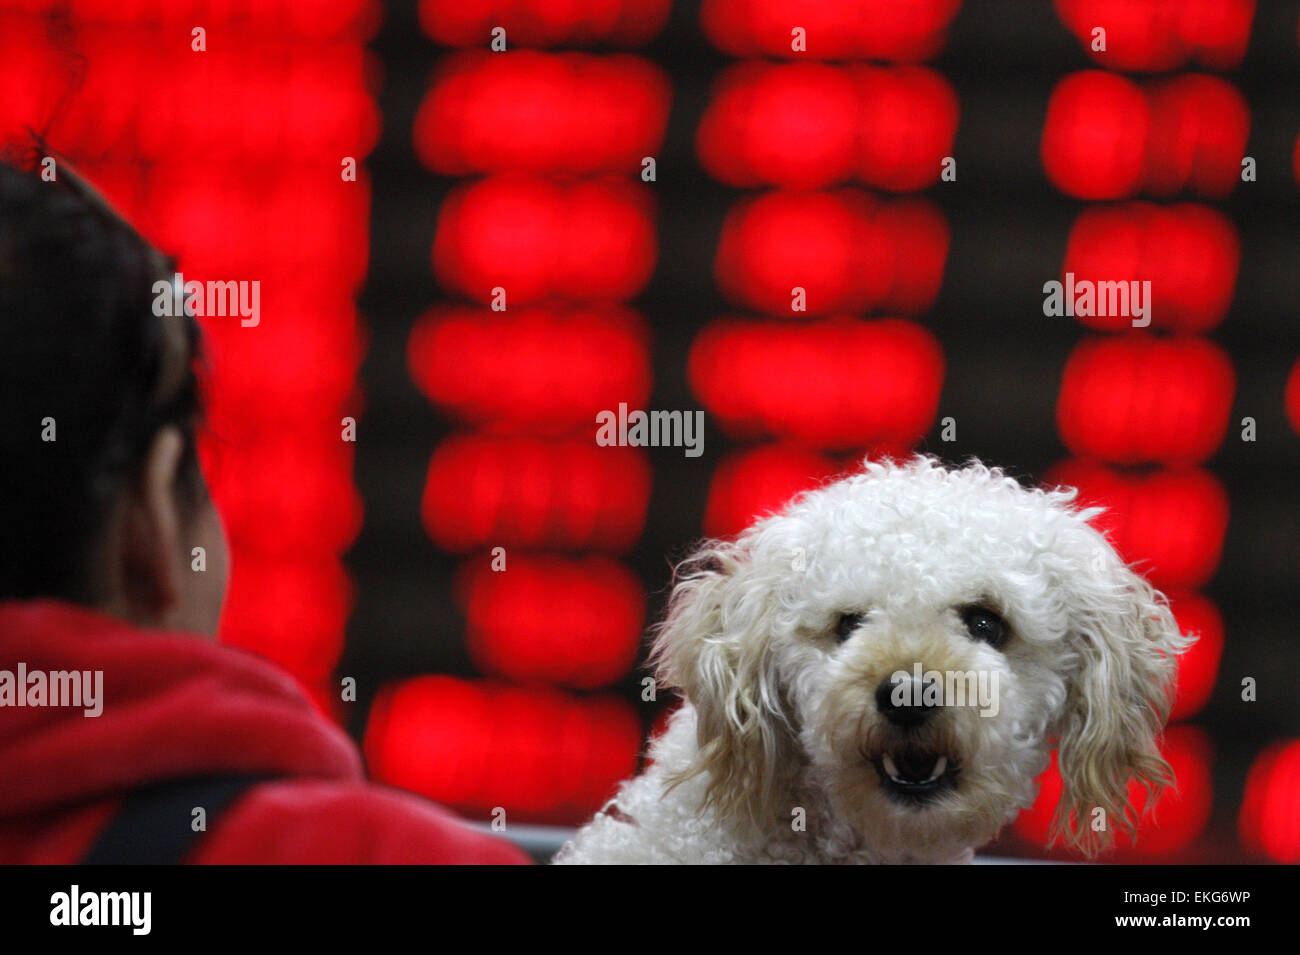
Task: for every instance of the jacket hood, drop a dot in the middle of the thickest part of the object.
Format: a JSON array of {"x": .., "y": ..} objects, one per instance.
[{"x": 172, "y": 705}]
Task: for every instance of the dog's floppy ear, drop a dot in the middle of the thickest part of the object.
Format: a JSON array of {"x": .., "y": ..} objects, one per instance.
[
  {"x": 714, "y": 644},
  {"x": 1127, "y": 642}
]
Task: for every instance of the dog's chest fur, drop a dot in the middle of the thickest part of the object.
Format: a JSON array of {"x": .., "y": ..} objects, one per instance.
[{"x": 652, "y": 822}]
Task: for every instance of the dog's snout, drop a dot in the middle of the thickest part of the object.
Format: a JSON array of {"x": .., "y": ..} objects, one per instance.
[{"x": 903, "y": 702}]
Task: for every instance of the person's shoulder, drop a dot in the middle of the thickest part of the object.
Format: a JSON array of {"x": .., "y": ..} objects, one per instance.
[{"x": 323, "y": 822}]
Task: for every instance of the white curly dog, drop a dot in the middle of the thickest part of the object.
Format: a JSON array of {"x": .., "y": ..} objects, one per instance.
[{"x": 877, "y": 674}]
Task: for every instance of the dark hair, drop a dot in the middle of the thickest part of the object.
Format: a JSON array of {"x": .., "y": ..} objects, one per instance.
[{"x": 79, "y": 343}]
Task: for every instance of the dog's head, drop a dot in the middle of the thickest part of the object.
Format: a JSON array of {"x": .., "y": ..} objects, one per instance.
[{"x": 909, "y": 642}]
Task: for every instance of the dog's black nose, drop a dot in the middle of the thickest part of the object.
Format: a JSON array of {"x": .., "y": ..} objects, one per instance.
[{"x": 903, "y": 703}]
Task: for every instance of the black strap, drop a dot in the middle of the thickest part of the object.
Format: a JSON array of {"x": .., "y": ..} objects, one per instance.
[{"x": 154, "y": 824}]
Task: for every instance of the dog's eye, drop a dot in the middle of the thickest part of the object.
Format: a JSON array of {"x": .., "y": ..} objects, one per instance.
[
  {"x": 984, "y": 624},
  {"x": 847, "y": 623}
]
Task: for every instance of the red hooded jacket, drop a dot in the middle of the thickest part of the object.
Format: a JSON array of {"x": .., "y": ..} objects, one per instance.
[{"x": 179, "y": 706}]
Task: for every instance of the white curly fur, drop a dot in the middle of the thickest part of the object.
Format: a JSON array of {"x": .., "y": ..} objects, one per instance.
[{"x": 780, "y": 716}]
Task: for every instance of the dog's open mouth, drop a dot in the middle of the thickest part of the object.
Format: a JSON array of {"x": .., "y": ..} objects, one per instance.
[{"x": 915, "y": 776}]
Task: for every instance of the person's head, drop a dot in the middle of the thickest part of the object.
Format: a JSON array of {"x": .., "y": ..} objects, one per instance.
[{"x": 101, "y": 494}]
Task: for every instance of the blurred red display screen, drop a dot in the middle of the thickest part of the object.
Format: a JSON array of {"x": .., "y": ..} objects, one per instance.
[
  {"x": 542, "y": 112},
  {"x": 1106, "y": 137},
  {"x": 478, "y": 746},
  {"x": 562, "y": 494},
  {"x": 1198, "y": 666},
  {"x": 854, "y": 253},
  {"x": 544, "y": 23},
  {"x": 290, "y": 611},
  {"x": 1292, "y": 397},
  {"x": 303, "y": 364},
  {"x": 1170, "y": 524},
  {"x": 288, "y": 497},
  {"x": 901, "y": 31},
  {"x": 1177, "y": 818},
  {"x": 1136, "y": 399},
  {"x": 838, "y": 383},
  {"x": 546, "y": 245},
  {"x": 551, "y": 620},
  {"x": 295, "y": 222},
  {"x": 230, "y": 161},
  {"x": 352, "y": 20},
  {"x": 536, "y": 238},
  {"x": 751, "y": 484},
  {"x": 531, "y": 370},
  {"x": 252, "y": 97},
  {"x": 1189, "y": 253},
  {"x": 1270, "y": 812},
  {"x": 1160, "y": 35},
  {"x": 809, "y": 125}
]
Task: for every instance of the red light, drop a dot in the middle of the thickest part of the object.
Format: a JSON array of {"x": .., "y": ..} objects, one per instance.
[
  {"x": 230, "y": 160},
  {"x": 31, "y": 82},
  {"x": 314, "y": 19},
  {"x": 918, "y": 235},
  {"x": 1188, "y": 252},
  {"x": 902, "y": 31},
  {"x": 586, "y": 241},
  {"x": 1105, "y": 138},
  {"x": 836, "y": 383},
  {"x": 568, "y": 494},
  {"x": 1270, "y": 811},
  {"x": 791, "y": 125},
  {"x": 301, "y": 361},
  {"x": 907, "y": 125},
  {"x": 540, "y": 371},
  {"x": 541, "y": 112},
  {"x": 1292, "y": 399},
  {"x": 1110, "y": 244},
  {"x": 549, "y": 620},
  {"x": 238, "y": 102},
  {"x": 807, "y": 125},
  {"x": 849, "y": 252},
  {"x": 1199, "y": 128},
  {"x": 1178, "y": 817},
  {"x": 778, "y": 241},
  {"x": 620, "y": 23},
  {"x": 1137, "y": 399},
  {"x": 750, "y": 484},
  {"x": 1198, "y": 667},
  {"x": 100, "y": 110},
  {"x": 132, "y": 94},
  {"x": 1171, "y": 524},
  {"x": 479, "y": 746},
  {"x": 300, "y": 485},
  {"x": 291, "y": 612},
  {"x": 309, "y": 229},
  {"x": 1192, "y": 258},
  {"x": 417, "y": 737},
  {"x": 1160, "y": 35},
  {"x": 1094, "y": 138}
]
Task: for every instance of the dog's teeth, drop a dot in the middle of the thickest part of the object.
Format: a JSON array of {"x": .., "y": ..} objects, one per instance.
[
  {"x": 939, "y": 767},
  {"x": 890, "y": 768}
]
